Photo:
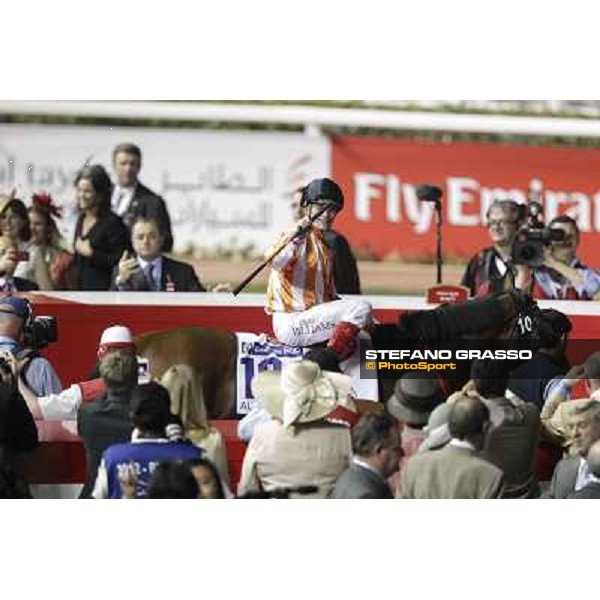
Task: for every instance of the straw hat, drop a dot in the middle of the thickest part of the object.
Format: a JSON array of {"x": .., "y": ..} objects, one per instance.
[{"x": 301, "y": 392}]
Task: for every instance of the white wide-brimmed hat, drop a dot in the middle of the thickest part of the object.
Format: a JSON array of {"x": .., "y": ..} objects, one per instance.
[{"x": 302, "y": 393}]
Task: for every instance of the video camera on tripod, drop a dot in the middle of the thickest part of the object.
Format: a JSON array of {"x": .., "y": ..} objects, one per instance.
[{"x": 533, "y": 236}]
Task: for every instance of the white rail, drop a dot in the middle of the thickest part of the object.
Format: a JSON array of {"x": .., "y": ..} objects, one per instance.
[{"x": 310, "y": 117}]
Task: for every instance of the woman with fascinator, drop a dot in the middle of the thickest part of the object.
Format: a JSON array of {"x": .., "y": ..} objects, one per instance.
[
  {"x": 14, "y": 245},
  {"x": 49, "y": 261}
]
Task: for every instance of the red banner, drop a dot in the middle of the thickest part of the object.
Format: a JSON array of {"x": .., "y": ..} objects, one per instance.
[{"x": 383, "y": 216}]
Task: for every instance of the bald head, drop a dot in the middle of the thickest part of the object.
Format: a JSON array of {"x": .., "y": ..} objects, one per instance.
[{"x": 468, "y": 419}]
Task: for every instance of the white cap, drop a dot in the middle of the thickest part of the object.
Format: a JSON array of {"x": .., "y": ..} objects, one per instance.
[{"x": 117, "y": 334}]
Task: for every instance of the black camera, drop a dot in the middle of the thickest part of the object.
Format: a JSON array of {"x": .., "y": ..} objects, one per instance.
[
  {"x": 528, "y": 248},
  {"x": 40, "y": 331}
]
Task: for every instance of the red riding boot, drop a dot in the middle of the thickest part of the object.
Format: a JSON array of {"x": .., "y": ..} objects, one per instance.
[{"x": 343, "y": 339}]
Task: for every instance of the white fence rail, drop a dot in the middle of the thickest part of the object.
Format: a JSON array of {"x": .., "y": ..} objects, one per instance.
[{"x": 312, "y": 118}]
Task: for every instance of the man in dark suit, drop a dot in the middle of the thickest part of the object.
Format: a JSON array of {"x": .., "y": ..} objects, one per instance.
[
  {"x": 513, "y": 437},
  {"x": 149, "y": 270},
  {"x": 377, "y": 452},
  {"x": 132, "y": 199},
  {"x": 573, "y": 474},
  {"x": 591, "y": 491},
  {"x": 456, "y": 471},
  {"x": 107, "y": 421}
]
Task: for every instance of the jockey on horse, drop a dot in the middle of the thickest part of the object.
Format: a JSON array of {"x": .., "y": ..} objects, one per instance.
[{"x": 301, "y": 295}]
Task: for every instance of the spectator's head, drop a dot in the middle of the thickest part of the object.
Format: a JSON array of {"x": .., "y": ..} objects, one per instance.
[
  {"x": 172, "y": 481},
  {"x": 502, "y": 220},
  {"x": 585, "y": 426},
  {"x": 9, "y": 255},
  {"x": 119, "y": 371},
  {"x": 553, "y": 331},
  {"x": 593, "y": 458},
  {"x": 127, "y": 162},
  {"x": 14, "y": 311},
  {"x": 184, "y": 385},
  {"x": 207, "y": 477},
  {"x": 296, "y": 204},
  {"x": 14, "y": 221},
  {"x": 591, "y": 371},
  {"x": 116, "y": 337},
  {"x": 414, "y": 397},
  {"x": 469, "y": 420},
  {"x": 376, "y": 440},
  {"x": 94, "y": 189},
  {"x": 564, "y": 250},
  {"x": 146, "y": 238},
  {"x": 150, "y": 409},
  {"x": 490, "y": 377},
  {"x": 42, "y": 212}
]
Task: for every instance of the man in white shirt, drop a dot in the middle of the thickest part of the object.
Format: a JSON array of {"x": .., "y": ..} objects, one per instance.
[
  {"x": 63, "y": 406},
  {"x": 132, "y": 199}
]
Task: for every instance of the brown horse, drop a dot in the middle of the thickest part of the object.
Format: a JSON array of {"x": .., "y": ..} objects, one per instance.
[{"x": 212, "y": 352}]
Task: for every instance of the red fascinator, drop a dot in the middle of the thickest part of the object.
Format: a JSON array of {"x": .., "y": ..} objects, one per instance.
[{"x": 44, "y": 202}]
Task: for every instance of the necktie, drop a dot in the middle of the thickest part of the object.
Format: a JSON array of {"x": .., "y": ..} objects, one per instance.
[{"x": 150, "y": 276}]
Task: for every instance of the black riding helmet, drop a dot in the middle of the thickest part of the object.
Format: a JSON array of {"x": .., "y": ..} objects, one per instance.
[{"x": 322, "y": 189}]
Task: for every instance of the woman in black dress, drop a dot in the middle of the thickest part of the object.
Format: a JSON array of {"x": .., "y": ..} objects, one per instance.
[{"x": 100, "y": 235}]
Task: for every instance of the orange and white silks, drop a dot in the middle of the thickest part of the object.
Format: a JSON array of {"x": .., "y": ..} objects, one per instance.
[{"x": 301, "y": 274}]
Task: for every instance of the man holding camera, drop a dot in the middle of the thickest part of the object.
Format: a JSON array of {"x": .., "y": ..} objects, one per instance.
[
  {"x": 15, "y": 319},
  {"x": 562, "y": 276},
  {"x": 148, "y": 269},
  {"x": 488, "y": 268},
  {"x": 10, "y": 257}
]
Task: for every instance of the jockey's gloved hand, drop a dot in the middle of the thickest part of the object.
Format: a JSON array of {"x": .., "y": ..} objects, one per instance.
[{"x": 300, "y": 228}]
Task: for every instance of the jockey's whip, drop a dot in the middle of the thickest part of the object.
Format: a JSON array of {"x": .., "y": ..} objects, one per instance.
[{"x": 300, "y": 231}]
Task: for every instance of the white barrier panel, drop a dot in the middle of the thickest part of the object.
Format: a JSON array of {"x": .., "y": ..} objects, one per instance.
[
  {"x": 255, "y": 354},
  {"x": 227, "y": 189}
]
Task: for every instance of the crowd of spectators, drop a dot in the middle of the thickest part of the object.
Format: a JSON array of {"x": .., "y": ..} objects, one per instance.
[
  {"x": 309, "y": 435},
  {"x": 314, "y": 438},
  {"x": 122, "y": 230}
]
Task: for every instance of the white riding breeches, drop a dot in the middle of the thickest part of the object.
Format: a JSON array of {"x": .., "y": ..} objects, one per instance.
[{"x": 316, "y": 324}]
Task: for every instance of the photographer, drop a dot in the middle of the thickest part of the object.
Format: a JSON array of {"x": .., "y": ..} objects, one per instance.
[
  {"x": 18, "y": 433},
  {"x": 487, "y": 269},
  {"x": 563, "y": 276},
  {"x": 15, "y": 317}
]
